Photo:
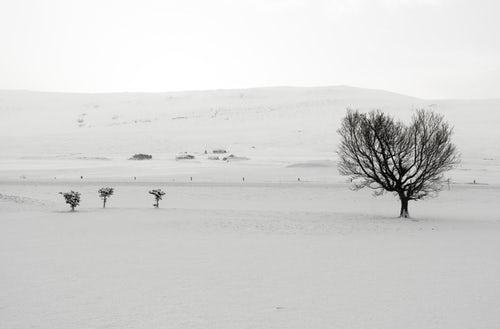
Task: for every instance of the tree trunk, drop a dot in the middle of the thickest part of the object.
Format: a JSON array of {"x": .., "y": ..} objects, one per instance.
[
  {"x": 404, "y": 207},
  {"x": 104, "y": 203},
  {"x": 72, "y": 208}
]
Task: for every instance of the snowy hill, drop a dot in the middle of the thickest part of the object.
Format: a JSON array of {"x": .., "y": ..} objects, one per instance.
[{"x": 280, "y": 125}]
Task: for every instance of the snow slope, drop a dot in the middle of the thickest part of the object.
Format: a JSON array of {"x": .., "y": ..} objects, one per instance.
[
  {"x": 248, "y": 256},
  {"x": 280, "y": 120},
  {"x": 274, "y": 127}
]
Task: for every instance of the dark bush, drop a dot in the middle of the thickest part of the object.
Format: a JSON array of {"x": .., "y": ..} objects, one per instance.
[{"x": 141, "y": 156}]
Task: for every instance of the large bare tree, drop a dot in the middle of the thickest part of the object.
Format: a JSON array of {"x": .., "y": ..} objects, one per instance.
[{"x": 378, "y": 152}]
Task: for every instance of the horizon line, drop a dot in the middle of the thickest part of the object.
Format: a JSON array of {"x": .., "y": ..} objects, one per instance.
[{"x": 244, "y": 88}]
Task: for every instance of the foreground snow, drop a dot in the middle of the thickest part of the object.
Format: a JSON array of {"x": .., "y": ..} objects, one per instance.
[{"x": 247, "y": 256}]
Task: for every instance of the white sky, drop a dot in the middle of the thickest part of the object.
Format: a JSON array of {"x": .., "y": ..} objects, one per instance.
[{"x": 425, "y": 48}]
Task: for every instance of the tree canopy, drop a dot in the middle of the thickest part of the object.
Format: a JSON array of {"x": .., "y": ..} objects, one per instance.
[{"x": 378, "y": 152}]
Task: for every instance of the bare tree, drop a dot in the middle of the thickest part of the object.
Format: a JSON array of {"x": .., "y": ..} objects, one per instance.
[
  {"x": 158, "y": 194},
  {"x": 72, "y": 198},
  {"x": 105, "y": 193},
  {"x": 383, "y": 154}
]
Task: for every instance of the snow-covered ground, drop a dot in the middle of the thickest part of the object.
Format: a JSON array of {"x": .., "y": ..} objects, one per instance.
[
  {"x": 247, "y": 256},
  {"x": 268, "y": 251}
]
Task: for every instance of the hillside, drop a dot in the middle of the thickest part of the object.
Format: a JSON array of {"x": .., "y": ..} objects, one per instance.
[{"x": 279, "y": 126}]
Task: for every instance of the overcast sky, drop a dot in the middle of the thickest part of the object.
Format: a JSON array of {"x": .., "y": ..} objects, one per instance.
[{"x": 425, "y": 48}]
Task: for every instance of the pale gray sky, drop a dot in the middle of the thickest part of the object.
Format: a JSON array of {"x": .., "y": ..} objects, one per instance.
[{"x": 425, "y": 48}]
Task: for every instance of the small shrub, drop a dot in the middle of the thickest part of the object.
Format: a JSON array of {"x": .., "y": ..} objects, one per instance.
[
  {"x": 105, "y": 193},
  {"x": 72, "y": 198},
  {"x": 158, "y": 194}
]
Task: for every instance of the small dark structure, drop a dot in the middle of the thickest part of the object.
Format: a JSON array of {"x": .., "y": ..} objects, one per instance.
[
  {"x": 141, "y": 156},
  {"x": 184, "y": 156}
]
